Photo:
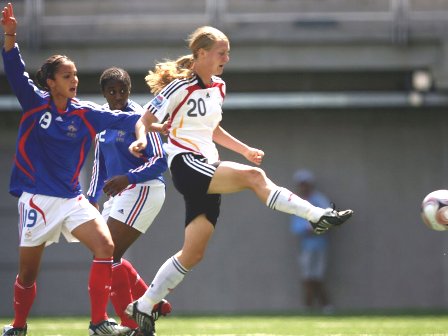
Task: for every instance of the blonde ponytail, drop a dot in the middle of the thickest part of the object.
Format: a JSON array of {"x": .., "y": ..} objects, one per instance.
[{"x": 165, "y": 72}]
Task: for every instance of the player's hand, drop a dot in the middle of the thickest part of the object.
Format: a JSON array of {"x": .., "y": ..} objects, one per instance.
[
  {"x": 115, "y": 185},
  {"x": 160, "y": 128},
  {"x": 254, "y": 155},
  {"x": 165, "y": 128},
  {"x": 137, "y": 147},
  {"x": 8, "y": 21}
]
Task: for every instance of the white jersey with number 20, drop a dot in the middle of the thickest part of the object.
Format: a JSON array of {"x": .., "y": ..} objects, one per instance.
[{"x": 194, "y": 110}]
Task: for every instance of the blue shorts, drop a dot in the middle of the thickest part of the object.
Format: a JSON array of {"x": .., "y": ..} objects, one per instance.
[{"x": 313, "y": 264}]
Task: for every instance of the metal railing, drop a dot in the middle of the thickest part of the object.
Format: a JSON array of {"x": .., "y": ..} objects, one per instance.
[{"x": 295, "y": 100}]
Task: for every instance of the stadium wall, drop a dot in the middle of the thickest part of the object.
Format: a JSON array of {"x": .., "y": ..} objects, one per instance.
[{"x": 381, "y": 163}]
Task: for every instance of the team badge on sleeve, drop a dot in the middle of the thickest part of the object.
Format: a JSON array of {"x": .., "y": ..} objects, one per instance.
[{"x": 158, "y": 101}]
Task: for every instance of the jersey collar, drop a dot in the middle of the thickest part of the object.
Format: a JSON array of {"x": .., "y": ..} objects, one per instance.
[{"x": 201, "y": 84}]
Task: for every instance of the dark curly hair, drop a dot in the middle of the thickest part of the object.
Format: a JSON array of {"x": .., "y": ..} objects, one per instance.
[
  {"x": 48, "y": 70},
  {"x": 115, "y": 74}
]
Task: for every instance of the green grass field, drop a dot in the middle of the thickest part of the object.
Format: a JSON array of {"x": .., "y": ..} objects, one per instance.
[{"x": 337, "y": 325}]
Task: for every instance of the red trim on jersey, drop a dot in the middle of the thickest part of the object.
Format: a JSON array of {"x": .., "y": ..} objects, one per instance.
[
  {"x": 190, "y": 90},
  {"x": 78, "y": 167},
  {"x": 21, "y": 149},
  {"x": 17, "y": 163},
  {"x": 81, "y": 113},
  {"x": 174, "y": 142},
  {"x": 29, "y": 113},
  {"x": 39, "y": 210},
  {"x": 220, "y": 86},
  {"x": 158, "y": 146},
  {"x": 24, "y": 138}
]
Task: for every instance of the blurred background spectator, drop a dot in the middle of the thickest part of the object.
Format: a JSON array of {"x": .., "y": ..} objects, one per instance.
[{"x": 313, "y": 248}]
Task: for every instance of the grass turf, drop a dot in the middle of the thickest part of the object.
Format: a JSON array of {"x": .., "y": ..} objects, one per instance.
[{"x": 337, "y": 325}]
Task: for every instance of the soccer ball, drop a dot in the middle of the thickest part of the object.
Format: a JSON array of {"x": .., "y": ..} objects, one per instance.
[{"x": 435, "y": 210}]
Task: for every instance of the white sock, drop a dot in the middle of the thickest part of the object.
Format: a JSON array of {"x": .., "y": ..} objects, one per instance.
[
  {"x": 169, "y": 275},
  {"x": 282, "y": 199}
]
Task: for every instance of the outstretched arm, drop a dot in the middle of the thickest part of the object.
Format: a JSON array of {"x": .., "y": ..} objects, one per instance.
[
  {"x": 9, "y": 24},
  {"x": 147, "y": 123},
  {"x": 225, "y": 139}
]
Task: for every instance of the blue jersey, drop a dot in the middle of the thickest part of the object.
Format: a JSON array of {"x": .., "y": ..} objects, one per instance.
[
  {"x": 52, "y": 145},
  {"x": 112, "y": 157}
]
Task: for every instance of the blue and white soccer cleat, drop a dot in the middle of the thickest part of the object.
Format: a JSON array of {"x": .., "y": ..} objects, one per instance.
[
  {"x": 329, "y": 219},
  {"x": 108, "y": 328},
  {"x": 9, "y": 330}
]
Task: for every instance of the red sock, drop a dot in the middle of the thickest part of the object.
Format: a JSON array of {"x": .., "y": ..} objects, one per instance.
[
  {"x": 138, "y": 285},
  {"x": 120, "y": 294},
  {"x": 100, "y": 281},
  {"x": 23, "y": 300}
]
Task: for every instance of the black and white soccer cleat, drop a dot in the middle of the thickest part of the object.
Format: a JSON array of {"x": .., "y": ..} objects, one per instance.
[{"x": 331, "y": 218}]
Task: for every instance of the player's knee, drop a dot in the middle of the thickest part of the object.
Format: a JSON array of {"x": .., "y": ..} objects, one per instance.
[
  {"x": 197, "y": 258},
  {"x": 104, "y": 250},
  {"x": 27, "y": 279},
  {"x": 255, "y": 177},
  {"x": 193, "y": 259}
]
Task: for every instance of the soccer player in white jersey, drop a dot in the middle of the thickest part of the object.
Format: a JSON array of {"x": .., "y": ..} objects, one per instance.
[{"x": 189, "y": 93}]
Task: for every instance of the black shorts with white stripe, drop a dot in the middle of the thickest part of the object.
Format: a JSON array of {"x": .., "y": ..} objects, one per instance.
[{"x": 191, "y": 175}]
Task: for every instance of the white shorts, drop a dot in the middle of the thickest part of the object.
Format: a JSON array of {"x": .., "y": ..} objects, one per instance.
[
  {"x": 43, "y": 218},
  {"x": 313, "y": 264},
  {"x": 138, "y": 205}
]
